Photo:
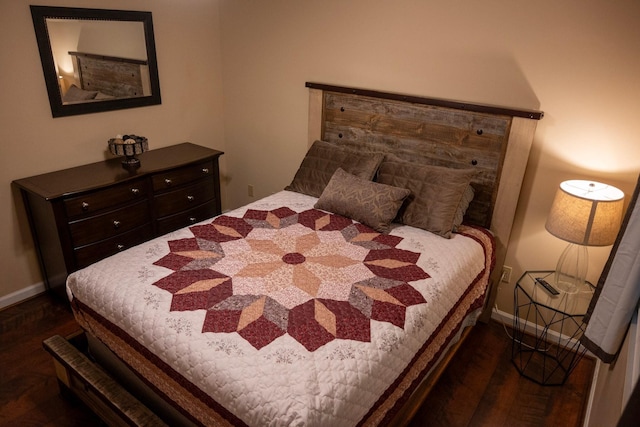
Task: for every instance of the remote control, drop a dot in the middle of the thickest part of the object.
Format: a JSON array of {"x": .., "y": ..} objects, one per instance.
[{"x": 547, "y": 286}]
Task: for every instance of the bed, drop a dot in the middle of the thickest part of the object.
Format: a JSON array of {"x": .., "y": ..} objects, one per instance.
[
  {"x": 336, "y": 301},
  {"x": 102, "y": 77}
]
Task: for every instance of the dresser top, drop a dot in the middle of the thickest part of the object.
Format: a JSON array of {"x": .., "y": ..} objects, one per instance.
[{"x": 92, "y": 176}]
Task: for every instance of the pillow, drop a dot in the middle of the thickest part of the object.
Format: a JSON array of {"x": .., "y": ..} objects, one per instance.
[
  {"x": 74, "y": 94},
  {"x": 102, "y": 96},
  {"x": 436, "y": 192},
  {"x": 467, "y": 197},
  {"x": 368, "y": 202},
  {"x": 323, "y": 159}
]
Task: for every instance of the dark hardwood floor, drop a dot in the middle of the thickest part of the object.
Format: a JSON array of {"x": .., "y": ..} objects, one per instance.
[
  {"x": 480, "y": 387},
  {"x": 29, "y": 394}
]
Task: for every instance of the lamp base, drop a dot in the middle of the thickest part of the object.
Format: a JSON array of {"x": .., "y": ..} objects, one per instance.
[{"x": 571, "y": 271}]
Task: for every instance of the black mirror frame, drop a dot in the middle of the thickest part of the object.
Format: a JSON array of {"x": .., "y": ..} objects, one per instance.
[{"x": 39, "y": 15}]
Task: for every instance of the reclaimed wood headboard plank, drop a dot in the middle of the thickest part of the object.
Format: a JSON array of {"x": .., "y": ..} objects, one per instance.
[
  {"x": 117, "y": 77},
  {"x": 438, "y": 136}
]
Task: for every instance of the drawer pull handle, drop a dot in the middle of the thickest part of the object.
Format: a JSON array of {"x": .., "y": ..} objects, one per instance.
[
  {"x": 192, "y": 219},
  {"x": 135, "y": 191},
  {"x": 116, "y": 224},
  {"x": 205, "y": 171},
  {"x": 168, "y": 181},
  {"x": 190, "y": 198},
  {"x": 85, "y": 206},
  {"x": 120, "y": 247}
]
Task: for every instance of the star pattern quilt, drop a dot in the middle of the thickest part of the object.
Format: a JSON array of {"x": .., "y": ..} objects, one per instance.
[{"x": 285, "y": 315}]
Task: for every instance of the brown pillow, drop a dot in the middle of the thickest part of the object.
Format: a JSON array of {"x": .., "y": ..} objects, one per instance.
[
  {"x": 75, "y": 94},
  {"x": 323, "y": 159},
  {"x": 368, "y": 202},
  {"x": 436, "y": 192},
  {"x": 467, "y": 197}
]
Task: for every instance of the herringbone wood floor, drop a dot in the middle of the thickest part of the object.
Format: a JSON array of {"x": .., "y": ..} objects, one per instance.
[{"x": 480, "y": 388}]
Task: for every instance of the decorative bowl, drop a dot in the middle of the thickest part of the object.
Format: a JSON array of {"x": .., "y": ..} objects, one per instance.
[{"x": 129, "y": 146}]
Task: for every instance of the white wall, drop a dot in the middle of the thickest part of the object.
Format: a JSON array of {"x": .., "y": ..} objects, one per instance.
[
  {"x": 577, "y": 61},
  {"x": 188, "y": 49}
]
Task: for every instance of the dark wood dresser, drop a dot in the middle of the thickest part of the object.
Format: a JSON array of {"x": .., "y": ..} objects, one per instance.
[{"x": 81, "y": 215}]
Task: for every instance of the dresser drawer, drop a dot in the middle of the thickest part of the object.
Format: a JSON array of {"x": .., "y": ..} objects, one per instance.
[
  {"x": 190, "y": 217},
  {"x": 93, "y": 202},
  {"x": 83, "y": 214},
  {"x": 109, "y": 224},
  {"x": 89, "y": 254},
  {"x": 182, "y": 176},
  {"x": 172, "y": 202}
]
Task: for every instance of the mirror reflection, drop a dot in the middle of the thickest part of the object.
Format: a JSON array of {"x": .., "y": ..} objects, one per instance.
[{"x": 96, "y": 59}]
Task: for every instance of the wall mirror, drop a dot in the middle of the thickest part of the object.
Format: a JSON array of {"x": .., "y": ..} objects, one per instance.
[{"x": 95, "y": 59}]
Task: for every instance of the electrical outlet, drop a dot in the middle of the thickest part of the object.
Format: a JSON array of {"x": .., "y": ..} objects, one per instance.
[
  {"x": 506, "y": 274},
  {"x": 250, "y": 190}
]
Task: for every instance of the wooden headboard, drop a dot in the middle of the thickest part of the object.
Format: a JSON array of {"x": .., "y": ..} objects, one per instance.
[
  {"x": 494, "y": 140},
  {"x": 110, "y": 75}
]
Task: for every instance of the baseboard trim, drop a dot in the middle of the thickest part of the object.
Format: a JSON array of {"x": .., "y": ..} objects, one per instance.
[
  {"x": 507, "y": 319},
  {"x": 592, "y": 394},
  {"x": 21, "y": 295}
]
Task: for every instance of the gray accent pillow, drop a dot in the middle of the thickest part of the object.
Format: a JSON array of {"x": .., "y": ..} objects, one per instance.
[
  {"x": 436, "y": 193},
  {"x": 323, "y": 159},
  {"x": 368, "y": 202}
]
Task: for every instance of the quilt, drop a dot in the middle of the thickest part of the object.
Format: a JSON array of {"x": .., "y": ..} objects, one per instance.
[{"x": 280, "y": 314}]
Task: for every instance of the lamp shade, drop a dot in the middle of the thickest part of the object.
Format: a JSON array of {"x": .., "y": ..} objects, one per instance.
[{"x": 586, "y": 213}]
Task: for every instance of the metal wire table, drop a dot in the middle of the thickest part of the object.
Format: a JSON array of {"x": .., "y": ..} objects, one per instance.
[{"x": 547, "y": 328}]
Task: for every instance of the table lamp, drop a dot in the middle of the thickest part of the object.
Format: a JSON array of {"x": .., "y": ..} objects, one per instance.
[{"x": 584, "y": 213}]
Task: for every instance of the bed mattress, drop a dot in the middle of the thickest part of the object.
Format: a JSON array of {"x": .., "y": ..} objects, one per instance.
[{"x": 279, "y": 314}]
